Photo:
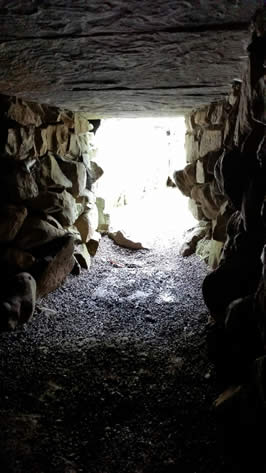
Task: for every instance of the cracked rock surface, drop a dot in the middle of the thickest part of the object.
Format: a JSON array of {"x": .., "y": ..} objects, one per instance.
[{"x": 112, "y": 373}]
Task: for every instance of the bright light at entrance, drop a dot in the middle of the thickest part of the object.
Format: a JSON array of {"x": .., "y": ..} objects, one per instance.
[{"x": 138, "y": 156}]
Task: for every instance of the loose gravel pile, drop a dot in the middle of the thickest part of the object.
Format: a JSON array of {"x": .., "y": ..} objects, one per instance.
[{"x": 112, "y": 374}]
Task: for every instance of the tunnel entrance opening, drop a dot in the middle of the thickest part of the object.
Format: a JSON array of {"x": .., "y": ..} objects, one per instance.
[{"x": 139, "y": 157}]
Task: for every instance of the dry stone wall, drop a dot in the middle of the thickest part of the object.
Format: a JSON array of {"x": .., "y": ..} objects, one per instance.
[
  {"x": 48, "y": 212},
  {"x": 217, "y": 137},
  {"x": 235, "y": 290}
]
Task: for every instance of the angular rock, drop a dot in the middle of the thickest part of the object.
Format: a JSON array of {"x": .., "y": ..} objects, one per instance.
[
  {"x": 93, "y": 243},
  {"x": 104, "y": 218},
  {"x": 201, "y": 175},
  {"x": 216, "y": 114},
  {"x": 195, "y": 209},
  {"x": 191, "y": 239},
  {"x": 82, "y": 256},
  {"x": 74, "y": 146},
  {"x": 57, "y": 268},
  {"x": 11, "y": 220},
  {"x": 18, "y": 302},
  {"x": 87, "y": 199},
  {"x": 29, "y": 113},
  {"x": 85, "y": 226},
  {"x": 200, "y": 117},
  {"x": 76, "y": 173},
  {"x": 17, "y": 181},
  {"x": 191, "y": 147},
  {"x": 120, "y": 239},
  {"x": 76, "y": 270},
  {"x": 81, "y": 124},
  {"x": 51, "y": 173},
  {"x": 219, "y": 230},
  {"x": 61, "y": 204},
  {"x": 201, "y": 193},
  {"x": 211, "y": 140},
  {"x": 94, "y": 173},
  {"x": 40, "y": 142},
  {"x": 36, "y": 232},
  {"x": 186, "y": 179},
  {"x": 12, "y": 146}
]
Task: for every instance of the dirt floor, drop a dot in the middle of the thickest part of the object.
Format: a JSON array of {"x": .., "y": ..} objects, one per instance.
[{"x": 112, "y": 374}]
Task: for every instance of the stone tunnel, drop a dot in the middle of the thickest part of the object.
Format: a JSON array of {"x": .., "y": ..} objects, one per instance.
[{"x": 67, "y": 65}]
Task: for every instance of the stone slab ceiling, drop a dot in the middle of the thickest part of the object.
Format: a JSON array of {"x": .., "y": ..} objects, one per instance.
[{"x": 118, "y": 57}]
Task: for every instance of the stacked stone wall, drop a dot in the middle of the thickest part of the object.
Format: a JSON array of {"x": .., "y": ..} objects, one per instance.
[{"x": 48, "y": 212}]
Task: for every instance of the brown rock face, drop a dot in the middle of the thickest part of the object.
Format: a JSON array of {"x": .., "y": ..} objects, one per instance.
[
  {"x": 57, "y": 268},
  {"x": 121, "y": 57}
]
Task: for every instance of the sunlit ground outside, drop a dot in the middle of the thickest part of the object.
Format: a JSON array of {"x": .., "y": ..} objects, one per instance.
[{"x": 137, "y": 156}]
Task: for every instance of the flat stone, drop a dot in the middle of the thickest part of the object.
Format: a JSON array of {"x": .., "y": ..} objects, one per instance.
[{"x": 132, "y": 58}]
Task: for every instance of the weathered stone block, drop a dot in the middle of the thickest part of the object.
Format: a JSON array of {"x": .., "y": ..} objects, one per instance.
[
  {"x": 81, "y": 124},
  {"x": 36, "y": 232},
  {"x": 29, "y": 113},
  {"x": 219, "y": 225},
  {"x": 82, "y": 256},
  {"x": 192, "y": 147},
  {"x": 201, "y": 117},
  {"x": 85, "y": 226},
  {"x": 104, "y": 217},
  {"x": 195, "y": 209},
  {"x": 186, "y": 179},
  {"x": 211, "y": 140},
  {"x": 57, "y": 268},
  {"x": 216, "y": 114},
  {"x": 76, "y": 173},
  {"x": 201, "y": 193},
  {"x": 51, "y": 173},
  {"x": 93, "y": 243}
]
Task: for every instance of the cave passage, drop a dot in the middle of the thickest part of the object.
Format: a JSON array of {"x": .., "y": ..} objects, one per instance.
[{"x": 112, "y": 373}]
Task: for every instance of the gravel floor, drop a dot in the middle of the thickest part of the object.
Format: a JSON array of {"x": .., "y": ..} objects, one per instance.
[{"x": 112, "y": 374}]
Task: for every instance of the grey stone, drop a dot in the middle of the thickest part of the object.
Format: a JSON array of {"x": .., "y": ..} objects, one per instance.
[
  {"x": 132, "y": 52},
  {"x": 36, "y": 232}
]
